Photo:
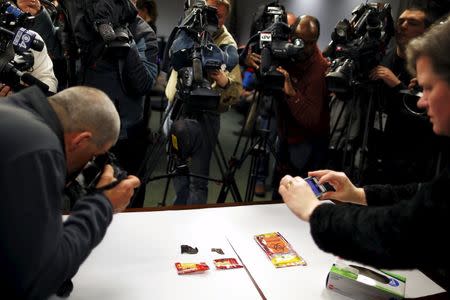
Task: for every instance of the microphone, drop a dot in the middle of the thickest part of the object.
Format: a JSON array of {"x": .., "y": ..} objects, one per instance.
[
  {"x": 266, "y": 60},
  {"x": 24, "y": 39},
  {"x": 107, "y": 32}
]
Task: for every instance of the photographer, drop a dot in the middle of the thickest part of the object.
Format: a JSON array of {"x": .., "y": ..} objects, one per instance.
[
  {"x": 192, "y": 190},
  {"x": 51, "y": 141},
  {"x": 392, "y": 226},
  {"x": 127, "y": 80},
  {"x": 303, "y": 116},
  {"x": 405, "y": 144},
  {"x": 266, "y": 114}
]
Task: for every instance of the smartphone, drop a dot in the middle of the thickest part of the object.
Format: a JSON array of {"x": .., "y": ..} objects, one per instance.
[{"x": 318, "y": 188}]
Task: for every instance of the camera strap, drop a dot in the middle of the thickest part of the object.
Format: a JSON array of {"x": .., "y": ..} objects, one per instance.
[
  {"x": 109, "y": 186},
  {"x": 294, "y": 26}
]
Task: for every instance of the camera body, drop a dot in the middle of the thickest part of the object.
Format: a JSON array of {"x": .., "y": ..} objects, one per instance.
[
  {"x": 275, "y": 46},
  {"x": 358, "y": 45},
  {"x": 92, "y": 172},
  {"x": 193, "y": 54}
]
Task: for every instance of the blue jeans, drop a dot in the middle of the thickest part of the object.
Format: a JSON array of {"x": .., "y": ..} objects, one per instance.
[
  {"x": 193, "y": 190},
  {"x": 263, "y": 163}
]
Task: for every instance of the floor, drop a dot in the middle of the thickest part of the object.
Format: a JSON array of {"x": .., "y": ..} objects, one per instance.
[{"x": 230, "y": 123}]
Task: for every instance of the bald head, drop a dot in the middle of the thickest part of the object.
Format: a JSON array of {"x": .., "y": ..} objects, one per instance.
[
  {"x": 83, "y": 108},
  {"x": 308, "y": 29},
  {"x": 309, "y": 26}
]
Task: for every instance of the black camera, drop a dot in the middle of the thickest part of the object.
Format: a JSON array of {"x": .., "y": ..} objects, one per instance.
[
  {"x": 100, "y": 28},
  {"x": 15, "y": 44},
  {"x": 111, "y": 19},
  {"x": 275, "y": 45},
  {"x": 193, "y": 53},
  {"x": 358, "y": 45},
  {"x": 94, "y": 169}
]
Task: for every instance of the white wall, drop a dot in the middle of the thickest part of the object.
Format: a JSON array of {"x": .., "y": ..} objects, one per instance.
[{"x": 169, "y": 13}]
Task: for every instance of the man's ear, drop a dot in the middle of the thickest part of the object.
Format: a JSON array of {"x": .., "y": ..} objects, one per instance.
[{"x": 78, "y": 140}]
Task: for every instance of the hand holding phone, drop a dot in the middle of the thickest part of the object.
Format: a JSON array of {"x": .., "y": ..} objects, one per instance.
[{"x": 319, "y": 189}]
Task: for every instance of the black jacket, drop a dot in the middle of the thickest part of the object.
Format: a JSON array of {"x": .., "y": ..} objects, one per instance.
[
  {"x": 37, "y": 250},
  {"x": 402, "y": 227},
  {"x": 127, "y": 80}
]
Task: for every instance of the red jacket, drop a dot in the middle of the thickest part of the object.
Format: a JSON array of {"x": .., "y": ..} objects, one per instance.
[{"x": 306, "y": 115}]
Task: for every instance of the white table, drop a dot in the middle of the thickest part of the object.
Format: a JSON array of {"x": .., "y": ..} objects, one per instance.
[{"x": 137, "y": 256}]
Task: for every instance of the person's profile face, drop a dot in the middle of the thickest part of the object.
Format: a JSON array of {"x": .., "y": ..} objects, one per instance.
[
  {"x": 410, "y": 24},
  {"x": 77, "y": 157},
  {"x": 436, "y": 96}
]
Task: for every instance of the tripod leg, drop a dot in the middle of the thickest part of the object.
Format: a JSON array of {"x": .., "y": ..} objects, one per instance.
[{"x": 251, "y": 180}]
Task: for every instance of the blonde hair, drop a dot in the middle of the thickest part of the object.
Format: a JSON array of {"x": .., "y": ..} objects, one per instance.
[{"x": 225, "y": 3}]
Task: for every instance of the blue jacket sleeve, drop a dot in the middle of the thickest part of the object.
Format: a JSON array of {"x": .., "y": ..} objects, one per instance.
[{"x": 140, "y": 67}]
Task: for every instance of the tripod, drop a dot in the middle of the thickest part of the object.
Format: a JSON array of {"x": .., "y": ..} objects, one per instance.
[
  {"x": 257, "y": 147},
  {"x": 356, "y": 146},
  {"x": 183, "y": 108}
]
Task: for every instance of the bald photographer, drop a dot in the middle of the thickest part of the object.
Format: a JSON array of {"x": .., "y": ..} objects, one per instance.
[
  {"x": 302, "y": 114},
  {"x": 49, "y": 141}
]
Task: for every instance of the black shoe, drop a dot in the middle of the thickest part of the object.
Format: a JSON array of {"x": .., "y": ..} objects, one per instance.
[{"x": 260, "y": 189}]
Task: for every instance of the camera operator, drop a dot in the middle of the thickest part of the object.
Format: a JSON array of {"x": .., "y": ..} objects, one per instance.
[
  {"x": 127, "y": 80},
  {"x": 50, "y": 140},
  {"x": 192, "y": 190},
  {"x": 41, "y": 68},
  {"x": 404, "y": 135},
  {"x": 392, "y": 226},
  {"x": 266, "y": 115},
  {"x": 303, "y": 116}
]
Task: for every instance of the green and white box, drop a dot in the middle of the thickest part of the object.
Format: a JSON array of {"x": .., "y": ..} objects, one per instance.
[{"x": 361, "y": 282}]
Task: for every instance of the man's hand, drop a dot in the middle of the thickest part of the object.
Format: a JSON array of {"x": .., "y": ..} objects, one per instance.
[
  {"x": 413, "y": 84},
  {"x": 384, "y": 74},
  {"x": 253, "y": 59},
  {"x": 345, "y": 191},
  {"x": 30, "y": 6},
  {"x": 288, "y": 88},
  {"x": 5, "y": 90},
  {"x": 120, "y": 195},
  {"x": 219, "y": 77},
  {"x": 298, "y": 196}
]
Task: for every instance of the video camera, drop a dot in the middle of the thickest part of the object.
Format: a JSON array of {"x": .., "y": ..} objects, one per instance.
[
  {"x": 193, "y": 53},
  {"x": 100, "y": 27},
  {"x": 110, "y": 19},
  {"x": 15, "y": 44},
  {"x": 275, "y": 45},
  {"x": 358, "y": 45}
]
